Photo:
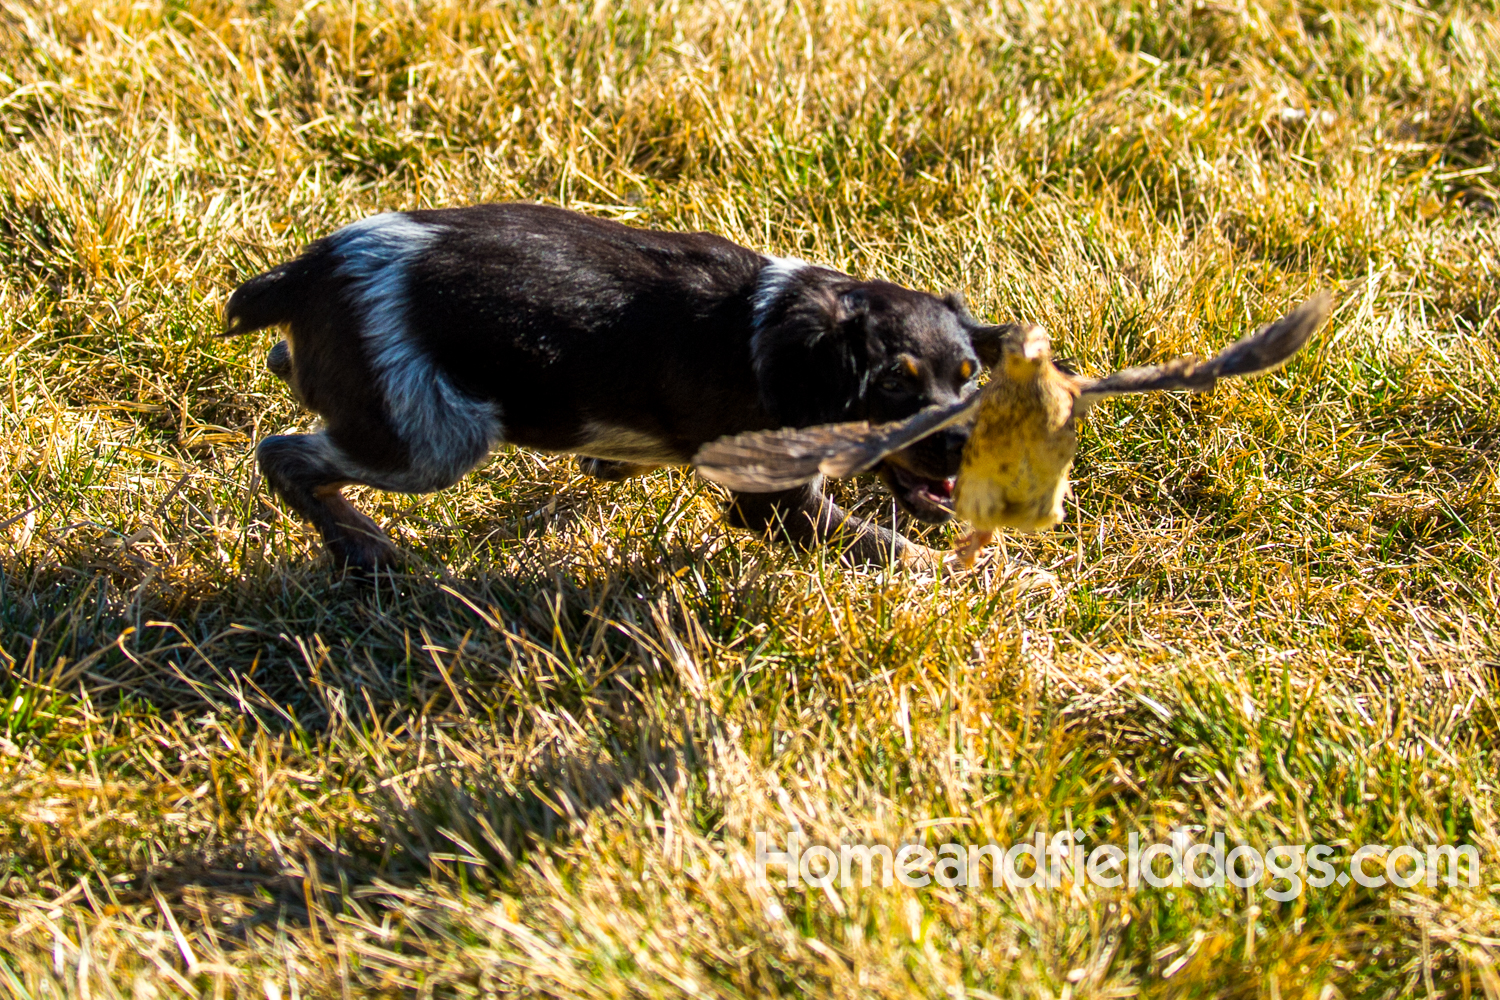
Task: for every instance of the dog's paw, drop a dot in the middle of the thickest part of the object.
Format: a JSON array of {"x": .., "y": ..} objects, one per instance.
[
  {"x": 921, "y": 560},
  {"x": 363, "y": 551}
]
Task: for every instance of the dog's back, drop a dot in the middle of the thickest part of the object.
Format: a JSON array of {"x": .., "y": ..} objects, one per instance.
[
  {"x": 520, "y": 249},
  {"x": 576, "y": 328}
]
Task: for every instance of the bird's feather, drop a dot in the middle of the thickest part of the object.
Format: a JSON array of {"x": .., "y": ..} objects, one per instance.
[
  {"x": 765, "y": 461},
  {"x": 1267, "y": 348}
]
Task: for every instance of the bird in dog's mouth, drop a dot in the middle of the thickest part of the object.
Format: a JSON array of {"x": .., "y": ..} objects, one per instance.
[{"x": 1014, "y": 472}]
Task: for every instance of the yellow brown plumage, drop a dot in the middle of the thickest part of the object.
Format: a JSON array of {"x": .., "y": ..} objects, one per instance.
[{"x": 1019, "y": 477}]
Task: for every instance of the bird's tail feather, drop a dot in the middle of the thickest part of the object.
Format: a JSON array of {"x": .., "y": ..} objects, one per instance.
[{"x": 1269, "y": 347}]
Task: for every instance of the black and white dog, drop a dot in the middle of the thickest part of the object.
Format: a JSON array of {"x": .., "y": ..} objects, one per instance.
[{"x": 424, "y": 339}]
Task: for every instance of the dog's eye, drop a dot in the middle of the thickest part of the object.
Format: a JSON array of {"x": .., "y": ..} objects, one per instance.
[{"x": 892, "y": 384}]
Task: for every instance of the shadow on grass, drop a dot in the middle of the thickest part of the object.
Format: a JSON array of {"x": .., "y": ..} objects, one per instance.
[
  {"x": 460, "y": 826},
  {"x": 560, "y": 678},
  {"x": 285, "y": 645}
]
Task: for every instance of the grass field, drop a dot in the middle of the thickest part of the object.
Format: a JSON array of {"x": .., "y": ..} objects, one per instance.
[{"x": 535, "y": 762}]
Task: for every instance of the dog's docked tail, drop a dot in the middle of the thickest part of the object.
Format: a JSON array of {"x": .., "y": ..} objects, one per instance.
[{"x": 270, "y": 298}]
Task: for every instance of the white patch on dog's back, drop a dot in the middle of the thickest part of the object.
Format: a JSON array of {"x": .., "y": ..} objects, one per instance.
[
  {"x": 447, "y": 431},
  {"x": 623, "y": 444},
  {"x": 770, "y": 283}
]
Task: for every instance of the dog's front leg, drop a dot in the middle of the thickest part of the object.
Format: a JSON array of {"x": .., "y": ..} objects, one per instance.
[{"x": 805, "y": 516}]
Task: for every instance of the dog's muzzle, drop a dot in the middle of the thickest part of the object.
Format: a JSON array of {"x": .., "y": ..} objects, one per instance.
[
  {"x": 922, "y": 477},
  {"x": 924, "y": 498}
]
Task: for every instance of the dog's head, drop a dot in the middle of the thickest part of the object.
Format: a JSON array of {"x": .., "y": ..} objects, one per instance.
[{"x": 832, "y": 349}]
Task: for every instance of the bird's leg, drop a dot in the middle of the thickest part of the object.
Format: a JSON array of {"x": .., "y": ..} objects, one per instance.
[{"x": 967, "y": 548}]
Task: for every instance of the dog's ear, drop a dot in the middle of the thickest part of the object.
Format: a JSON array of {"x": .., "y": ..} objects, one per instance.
[
  {"x": 986, "y": 340},
  {"x": 813, "y": 363},
  {"x": 989, "y": 341}
]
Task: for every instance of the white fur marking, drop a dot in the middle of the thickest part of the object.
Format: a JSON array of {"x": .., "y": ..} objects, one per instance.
[
  {"x": 409, "y": 480},
  {"x": 771, "y": 283},
  {"x": 447, "y": 431}
]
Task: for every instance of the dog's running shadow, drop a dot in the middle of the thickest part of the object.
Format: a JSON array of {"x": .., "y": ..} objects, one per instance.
[
  {"x": 476, "y": 660},
  {"x": 455, "y": 825}
]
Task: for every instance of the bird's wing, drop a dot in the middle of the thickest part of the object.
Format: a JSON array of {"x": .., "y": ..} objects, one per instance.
[
  {"x": 766, "y": 461},
  {"x": 1267, "y": 348}
]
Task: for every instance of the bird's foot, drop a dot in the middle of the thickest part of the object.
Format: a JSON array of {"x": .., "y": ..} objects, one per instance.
[
  {"x": 967, "y": 547},
  {"x": 996, "y": 566}
]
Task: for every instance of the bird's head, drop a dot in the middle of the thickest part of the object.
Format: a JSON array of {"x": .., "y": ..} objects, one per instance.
[{"x": 1024, "y": 351}]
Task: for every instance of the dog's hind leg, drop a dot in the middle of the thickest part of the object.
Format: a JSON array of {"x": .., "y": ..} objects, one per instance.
[
  {"x": 393, "y": 419},
  {"x": 806, "y": 517},
  {"x": 308, "y": 471}
]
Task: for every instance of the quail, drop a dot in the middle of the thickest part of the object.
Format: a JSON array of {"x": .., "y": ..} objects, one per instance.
[{"x": 1014, "y": 471}]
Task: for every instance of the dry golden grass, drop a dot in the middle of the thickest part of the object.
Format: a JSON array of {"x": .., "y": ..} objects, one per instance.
[{"x": 535, "y": 764}]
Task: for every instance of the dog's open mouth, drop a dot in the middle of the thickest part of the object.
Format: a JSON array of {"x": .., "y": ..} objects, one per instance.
[{"x": 924, "y": 498}]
